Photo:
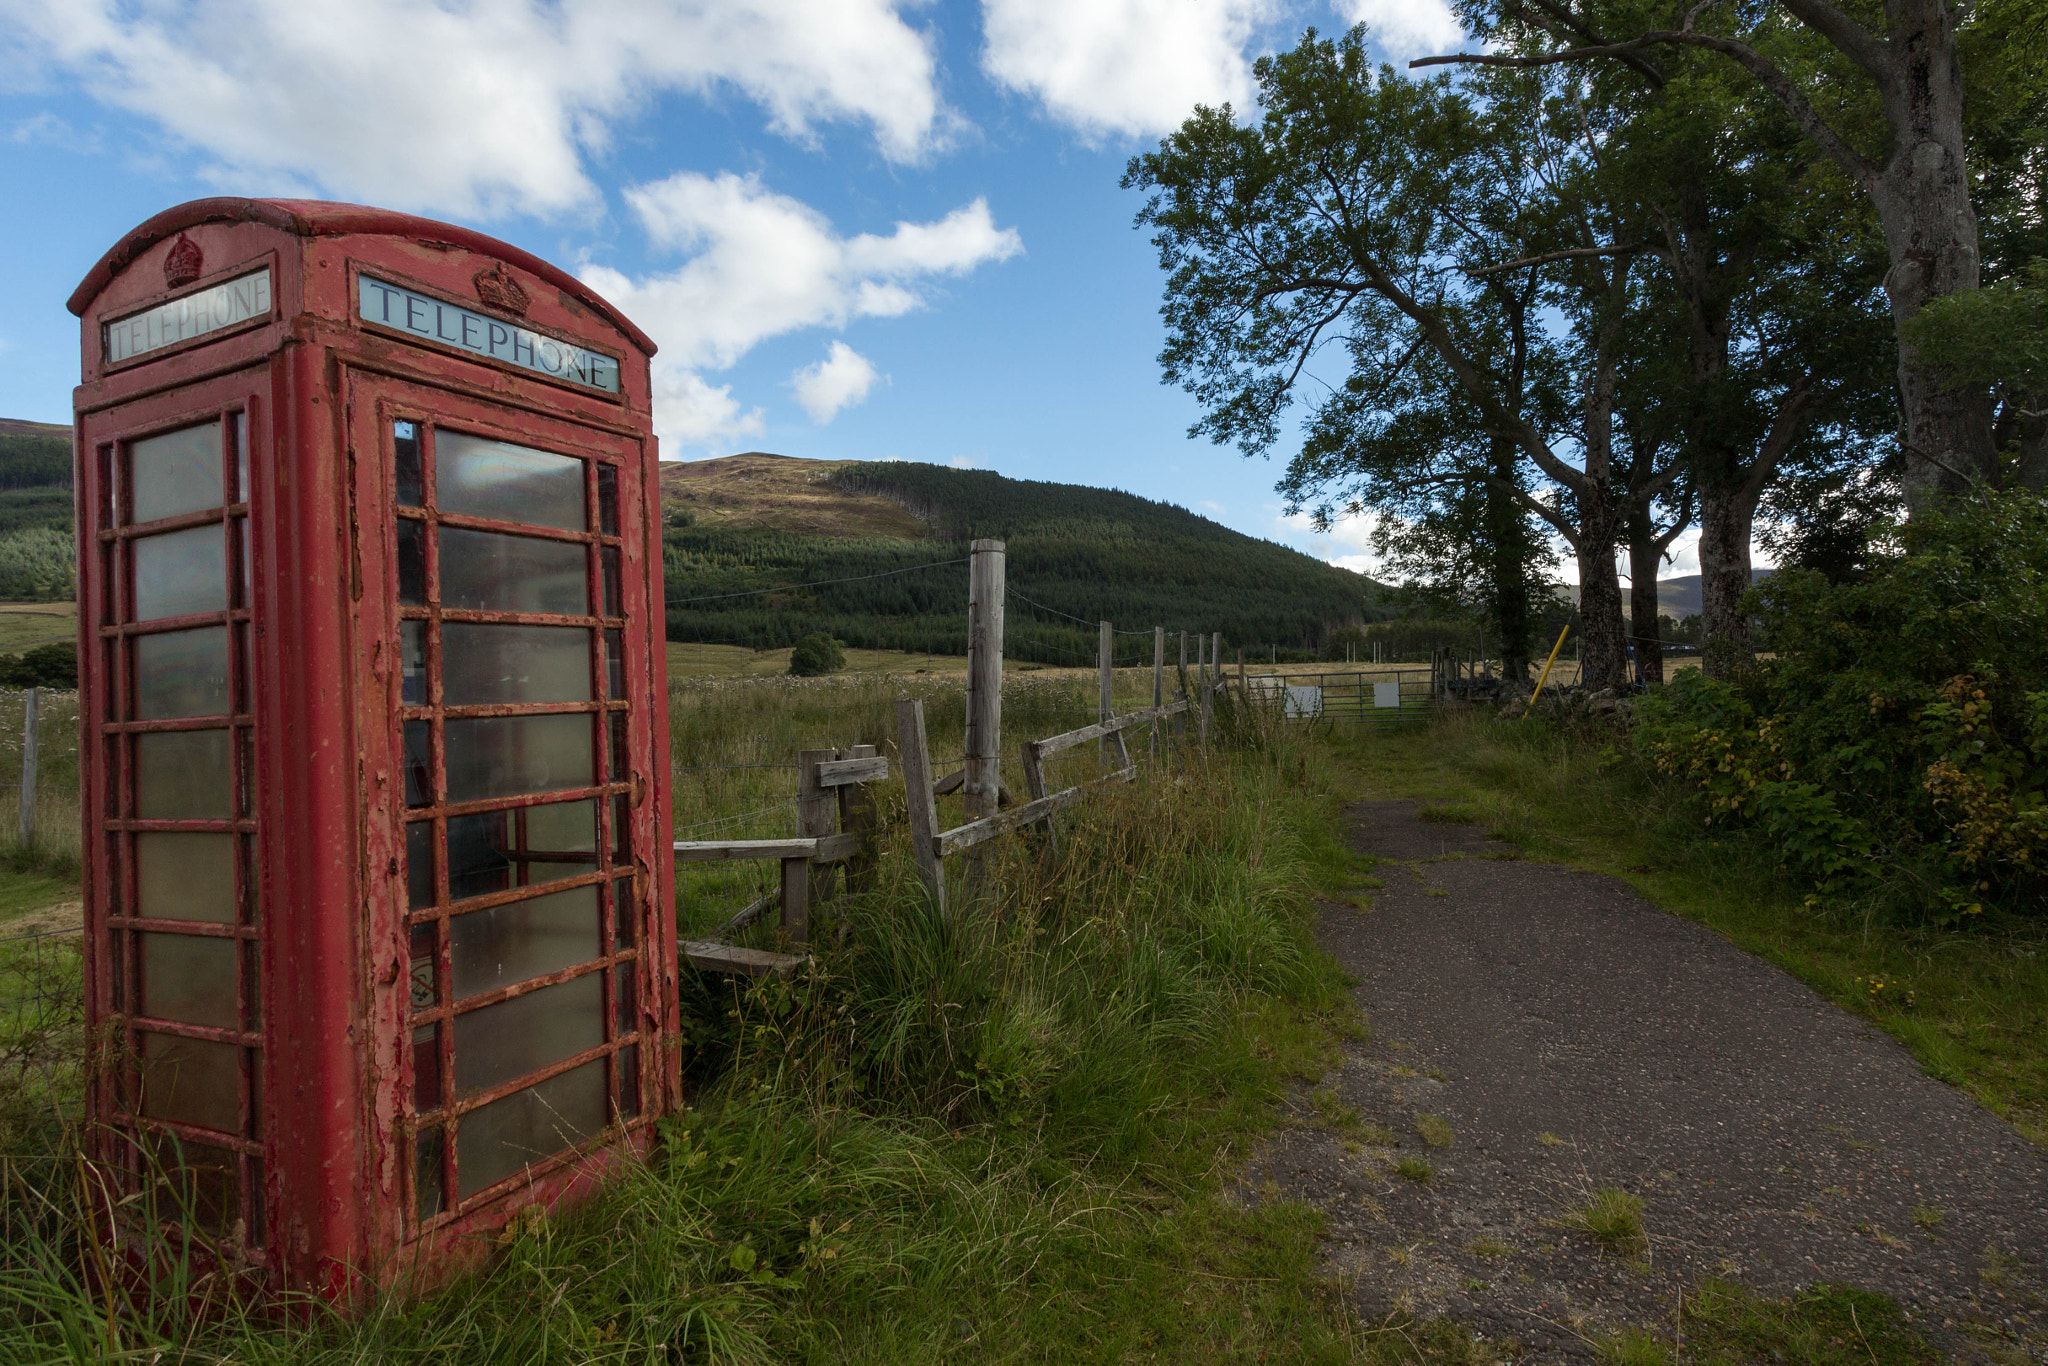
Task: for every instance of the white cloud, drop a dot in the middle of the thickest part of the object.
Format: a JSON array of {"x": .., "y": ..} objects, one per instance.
[
  {"x": 1216, "y": 508},
  {"x": 761, "y": 265},
  {"x": 1407, "y": 28},
  {"x": 966, "y": 462},
  {"x": 841, "y": 379},
  {"x": 1123, "y": 67},
  {"x": 474, "y": 106},
  {"x": 689, "y": 411}
]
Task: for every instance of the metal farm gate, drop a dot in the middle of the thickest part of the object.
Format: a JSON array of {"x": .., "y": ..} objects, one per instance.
[{"x": 1380, "y": 698}]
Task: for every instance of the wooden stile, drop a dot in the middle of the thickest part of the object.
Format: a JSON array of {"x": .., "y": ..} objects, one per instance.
[
  {"x": 857, "y": 815},
  {"x": 917, "y": 790}
]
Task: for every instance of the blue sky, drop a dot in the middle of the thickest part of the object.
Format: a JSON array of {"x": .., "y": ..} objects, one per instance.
[{"x": 859, "y": 229}]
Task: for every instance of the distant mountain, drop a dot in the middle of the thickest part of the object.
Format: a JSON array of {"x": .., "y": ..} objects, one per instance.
[
  {"x": 747, "y": 532},
  {"x": 1679, "y": 597}
]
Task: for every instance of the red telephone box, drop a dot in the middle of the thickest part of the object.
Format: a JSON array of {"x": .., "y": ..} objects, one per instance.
[{"x": 374, "y": 732}]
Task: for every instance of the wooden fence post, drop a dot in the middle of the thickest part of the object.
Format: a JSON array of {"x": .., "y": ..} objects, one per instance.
[
  {"x": 1034, "y": 782},
  {"x": 982, "y": 784},
  {"x": 31, "y": 743},
  {"x": 1105, "y": 652},
  {"x": 917, "y": 789},
  {"x": 816, "y": 815},
  {"x": 857, "y": 817},
  {"x": 1208, "y": 691},
  {"x": 1158, "y": 682},
  {"x": 1240, "y": 672},
  {"x": 1180, "y": 720}
]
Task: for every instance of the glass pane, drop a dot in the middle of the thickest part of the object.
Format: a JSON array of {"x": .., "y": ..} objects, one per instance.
[
  {"x": 482, "y": 665},
  {"x": 238, "y": 446},
  {"x": 243, "y": 567},
  {"x": 191, "y": 1081},
  {"x": 179, "y": 574},
  {"x": 189, "y": 979},
  {"x": 612, "y": 582},
  {"x": 405, "y": 448},
  {"x": 419, "y": 763},
  {"x": 248, "y": 743},
  {"x": 625, "y": 1000},
  {"x": 620, "y": 765},
  {"x": 425, "y": 980},
  {"x": 524, "y": 939},
  {"x": 426, "y": 1181},
  {"x": 480, "y": 478},
  {"x": 419, "y": 865},
  {"x": 608, "y": 499},
  {"x": 508, "y": 756},
  {"x": 629, "y": 1080},
  {"x": 412, "y": 563},
  {"x": 622, "y": 829},
  {"x": 412, "y": 662},
  {"x": 175, "y": 473},
  {"x": 257, "y": 1231},
  {"x": 252, "y": 990},
  {"x": 499, "y": 850},
  {"x": 182, "y": 775},
  {"x": 498, "y": 1043},
  {"x": 185, "y": 877},
  {"x": 483, "y": 571},
  {"x": 199, "y": 1184},
  {"x": 615, "y": 665},
  {"x": 506, "y": 1136},
  {"x": 426, "y": 1069},
  {"x": 246, "y": 660},
  {"x": 182, "y": 673}
]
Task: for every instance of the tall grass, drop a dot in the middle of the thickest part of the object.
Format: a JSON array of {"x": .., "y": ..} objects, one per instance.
[{"x": 987, "y": 1134}]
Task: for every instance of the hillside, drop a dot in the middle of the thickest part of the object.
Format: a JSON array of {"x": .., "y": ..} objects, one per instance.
[
  {"x": 35, "y": 512},
  {"x": 754, "y": 522}
]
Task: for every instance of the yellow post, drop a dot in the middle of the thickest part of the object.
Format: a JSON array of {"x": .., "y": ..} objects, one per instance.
[{"x": 1547, "y": 663}]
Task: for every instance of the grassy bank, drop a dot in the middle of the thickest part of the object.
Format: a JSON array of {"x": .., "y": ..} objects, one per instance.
[
  {"x": 1971, "y": 1004},
  {"x": 1002, "y": 1134}
]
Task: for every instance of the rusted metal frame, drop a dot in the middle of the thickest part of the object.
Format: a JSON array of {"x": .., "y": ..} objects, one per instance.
[
  {"x": 227, "y": 825},
  {"x": 486, "y": 804},
  {"x": 198, "y": 929},
  {"x": 525, "y": 891},
  {"x": 184, "y": 521},
  {"x": 204, "y": 1137},
  {"x": 185, "y": 1029},
  {"x": 471, "y": 711},
  {"x": 160, "y": 625},
  {"x": 448, "y": 1010},
  {"x": 217, "y": 722},
  {"x": 464, "y": 522},
  {"x": 415, "y": 612},
  {"x": 477, "y": 1100}
]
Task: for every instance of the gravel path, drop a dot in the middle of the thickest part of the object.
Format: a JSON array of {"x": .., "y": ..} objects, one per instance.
[{"x": 1573, "y": 1036}]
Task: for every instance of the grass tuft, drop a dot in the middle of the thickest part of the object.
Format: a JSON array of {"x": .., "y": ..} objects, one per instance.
[
  {"x": 1414, "y": 1169},
  {"x": 1435, "y": 1130},
  {"x": 1632, "y": 1347},
  {"x": 1614, "y": 1218}
]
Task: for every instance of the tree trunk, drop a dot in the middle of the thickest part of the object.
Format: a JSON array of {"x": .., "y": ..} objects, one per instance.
[
  {"x": 1507, "y": 532},
  {"x": 1922, "y": 195},
  {"x": 1602, "y": 637},
  {"x": 1644, "y": 558},
  {"x": 1725, "y": 518}
]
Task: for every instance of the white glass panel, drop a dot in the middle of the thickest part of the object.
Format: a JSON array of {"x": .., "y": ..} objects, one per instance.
[
  {"x": 182, "y": 775},
  {"x": 180, "y": 573},
  {"x": 185, "y": 877},
  {"x": 497, "y": 1043},
  {"x": 175, "y": 473},
  {"x": 509, "y": 1135},
  {"x": 483, "y": 665},
  {"x": 485, "y": 572},
  {"x": 189, "y": 979},
  {"x": 509, "y": 756},
  {"x": 181, "y": 673},
  {"x": 507, "y": 483},
  {"x": 524, "y": 939},
  {"x": 191, "y": 1081}
]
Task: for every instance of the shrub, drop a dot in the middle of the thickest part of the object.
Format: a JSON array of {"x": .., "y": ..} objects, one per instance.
[
  {"x": 1901, "y": 731},
  {"x": 815, "y": 655},
  {"x": 47, "y": 666}
]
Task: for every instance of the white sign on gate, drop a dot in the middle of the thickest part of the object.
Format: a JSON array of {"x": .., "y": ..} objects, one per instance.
[
  {"x": 1387, "y": 694},
  {"x": 1304, "y": 702}
]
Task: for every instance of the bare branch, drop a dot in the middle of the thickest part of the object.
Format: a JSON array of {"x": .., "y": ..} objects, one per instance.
[
  {"x": 1851, "y": 38},
  {"x": 1570, "y": 254}
]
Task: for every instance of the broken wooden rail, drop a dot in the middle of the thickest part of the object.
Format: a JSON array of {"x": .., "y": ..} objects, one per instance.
[{"x": 831, "y": 791}]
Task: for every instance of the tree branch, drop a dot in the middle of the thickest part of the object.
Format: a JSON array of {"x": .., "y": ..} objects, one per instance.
[{"x": 1569, "y": 254}]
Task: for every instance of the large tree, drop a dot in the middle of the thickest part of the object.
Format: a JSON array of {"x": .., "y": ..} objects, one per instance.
[
  {"x": 1884, "y": 101},
  {"x": 1382, "y": 216}
]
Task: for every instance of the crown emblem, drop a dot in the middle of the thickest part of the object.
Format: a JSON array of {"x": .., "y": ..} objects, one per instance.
[
  {"x": 497, "y": 288},
  {"x": 183, "y": 264}
]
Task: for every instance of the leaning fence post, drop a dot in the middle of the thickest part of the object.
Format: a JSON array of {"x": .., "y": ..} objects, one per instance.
[
  {"x": 1158, "y": 683},
  {"x": 982, "y": 784},
  {"x": 1034, "y": 782},
  {"x": 1208, "y": 691},
  {"x": 31, "y": 736},
  {"x": 1104, "y": 650},
  {"x": 1180, "y": 718},
  {"x": 917, "y": 789},
  {"x": 816, "y": 815}
]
